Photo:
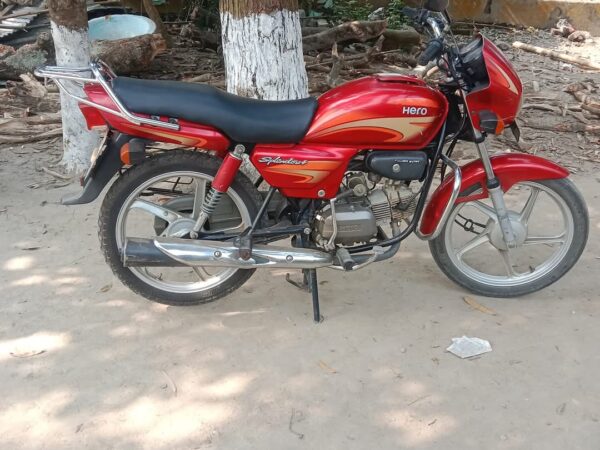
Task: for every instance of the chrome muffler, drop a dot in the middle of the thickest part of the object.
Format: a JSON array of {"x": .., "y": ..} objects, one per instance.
[{"x": 173, "y": 252}]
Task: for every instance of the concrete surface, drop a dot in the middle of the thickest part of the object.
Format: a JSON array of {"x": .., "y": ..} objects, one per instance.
[{"x": 253, "y": 372}]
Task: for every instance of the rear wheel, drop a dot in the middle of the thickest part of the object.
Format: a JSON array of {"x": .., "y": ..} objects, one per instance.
[
  {"x": 551, "y": 224},
  {"x": 162, "y": 197}
]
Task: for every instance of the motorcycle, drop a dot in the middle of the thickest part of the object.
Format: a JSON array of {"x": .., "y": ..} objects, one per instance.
[{"x": 348, "y": 177}]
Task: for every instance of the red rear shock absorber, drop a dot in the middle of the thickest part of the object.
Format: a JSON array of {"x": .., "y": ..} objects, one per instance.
[{"x": 221, "y": 183}]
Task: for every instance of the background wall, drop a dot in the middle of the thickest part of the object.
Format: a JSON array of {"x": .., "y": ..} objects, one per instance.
[{"x": 583, "y": 14}]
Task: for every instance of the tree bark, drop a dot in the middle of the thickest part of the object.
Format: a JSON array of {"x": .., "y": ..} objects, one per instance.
[
  {"x": 557, "y": 56},
  {"x": 405, "y": 38},
  {"x": 68, "y": 21},
  {"x": 262, "y": 45},
  {"x": 155, "y": 17},
  {"x": 124, "y": 56},
  {"x": 359, "y": 31},
  {"x": 129, "y": 55},
  {"x": 25, "y": 59}
]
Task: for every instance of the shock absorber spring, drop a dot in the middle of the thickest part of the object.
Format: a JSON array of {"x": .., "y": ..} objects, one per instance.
[
  {"x": 220, "y": 184},
  {"x": 209, "y": 204},
  {"x": 211, "y": 201}
]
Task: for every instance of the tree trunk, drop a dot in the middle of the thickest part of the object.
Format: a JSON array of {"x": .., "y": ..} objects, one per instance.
[
  {"x": 262, "y": 45},
  {"x": 68, "y": 20}
]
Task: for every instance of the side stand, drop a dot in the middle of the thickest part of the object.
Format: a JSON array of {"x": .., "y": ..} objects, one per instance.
[
  {"x": 309, "y": 283},
  {"x": 313, "y": 286}
]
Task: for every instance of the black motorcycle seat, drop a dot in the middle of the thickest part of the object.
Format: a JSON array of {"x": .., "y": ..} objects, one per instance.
[{"x": 241, "y": 119}]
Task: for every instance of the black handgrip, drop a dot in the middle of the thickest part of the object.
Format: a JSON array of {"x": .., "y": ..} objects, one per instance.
[{"x": 433, "y": 51}]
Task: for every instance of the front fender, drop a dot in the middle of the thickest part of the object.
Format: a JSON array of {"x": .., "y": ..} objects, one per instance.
[{"x": 509, "y": 169}]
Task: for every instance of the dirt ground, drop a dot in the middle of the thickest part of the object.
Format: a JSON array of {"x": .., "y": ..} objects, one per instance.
[{"x": 85, "y": 363}]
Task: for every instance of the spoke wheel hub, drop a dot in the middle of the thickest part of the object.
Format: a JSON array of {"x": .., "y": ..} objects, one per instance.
[
  {"x": 519, "y": 229},
  {"x": 179, "y": 227}
]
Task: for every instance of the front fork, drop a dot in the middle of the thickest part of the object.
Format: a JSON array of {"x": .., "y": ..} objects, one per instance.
[{"x": 495, "y": 190}]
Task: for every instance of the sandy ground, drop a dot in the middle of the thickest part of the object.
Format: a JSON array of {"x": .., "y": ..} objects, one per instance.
[
  {"x": 253, "y": 371},
  {"x": 85, "y": 363}
]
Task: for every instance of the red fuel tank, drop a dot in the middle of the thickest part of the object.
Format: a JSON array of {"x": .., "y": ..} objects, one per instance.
[{"x": 382, "y": 111}]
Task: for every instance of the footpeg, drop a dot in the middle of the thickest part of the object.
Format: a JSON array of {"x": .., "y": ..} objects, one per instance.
[{"x": 345, "y": 259}]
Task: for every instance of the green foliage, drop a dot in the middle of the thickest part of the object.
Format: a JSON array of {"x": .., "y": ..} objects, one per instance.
[
  {"x": 394, "y": 14},
  {"x": 346, "y": 10}
]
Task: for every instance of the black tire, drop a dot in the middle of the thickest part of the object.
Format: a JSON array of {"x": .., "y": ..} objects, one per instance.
[
  {"x": 574, "y": 200},
  {"x": 176, "y": 160}
]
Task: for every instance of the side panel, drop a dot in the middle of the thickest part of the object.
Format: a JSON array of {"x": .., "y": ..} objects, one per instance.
[
  {"x": 189, "y": 134},
  {"x": 382, "y": 112},
  {"x": 303, "y": 170},
  {"x": 510, "y": 169}
]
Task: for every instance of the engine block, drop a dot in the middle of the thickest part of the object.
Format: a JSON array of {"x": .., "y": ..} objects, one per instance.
[
  {"x": 394, "y": 202},
  {"x": 359, "y": 216},
  {"x": 355, "y": 224}
]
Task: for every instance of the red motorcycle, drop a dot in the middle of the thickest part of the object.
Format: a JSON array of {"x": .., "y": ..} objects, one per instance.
[{"x": 348, "y": 177}]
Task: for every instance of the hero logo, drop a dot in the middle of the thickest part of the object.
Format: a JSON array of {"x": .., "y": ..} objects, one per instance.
[{"x": 414, "y": 111}]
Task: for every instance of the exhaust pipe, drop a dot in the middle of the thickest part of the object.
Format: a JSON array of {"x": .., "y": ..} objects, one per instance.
[{"x": 173, "y": 252}]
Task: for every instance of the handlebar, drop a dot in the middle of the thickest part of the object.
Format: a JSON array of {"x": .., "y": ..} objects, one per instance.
[
  {"x": 435, "y": 27},
  {"x": 434, "y": 50}
]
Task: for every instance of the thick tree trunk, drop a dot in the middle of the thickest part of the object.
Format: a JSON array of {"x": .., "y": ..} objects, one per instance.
[
  {"x": 68, "y": 20},
  {"x": 262, "y": 45}
]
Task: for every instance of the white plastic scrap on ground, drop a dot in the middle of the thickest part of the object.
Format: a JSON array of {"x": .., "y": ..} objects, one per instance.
[{"x": 467, "y": 347}]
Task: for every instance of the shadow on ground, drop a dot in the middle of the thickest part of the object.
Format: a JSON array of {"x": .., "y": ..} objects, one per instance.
[{"x": 253, "y": 371}]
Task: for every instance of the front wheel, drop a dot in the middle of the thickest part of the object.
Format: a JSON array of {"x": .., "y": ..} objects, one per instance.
[{"x": 550, "y": 221}]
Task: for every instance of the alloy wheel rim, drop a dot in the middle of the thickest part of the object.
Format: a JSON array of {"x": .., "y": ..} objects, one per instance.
[
  {"x": 205, "y": 280},
  {"x": 512, "y": 278}
]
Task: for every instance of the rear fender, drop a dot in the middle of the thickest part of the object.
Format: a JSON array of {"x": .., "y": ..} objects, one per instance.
[
  {"x": 509, "y": 169},
  {"x": 107, "y": 165}
]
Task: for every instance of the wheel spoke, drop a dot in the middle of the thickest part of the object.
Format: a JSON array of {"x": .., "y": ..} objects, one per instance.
[
  {"x": 547, "y": 240},
  {"x": 157, "y": 210},
  {"x": 508, "y": 263},
  {"x": 202, "y": 273},
  {"x": 151, "y": 275},
  {"x": 528, "y": 208},
  {"x": 238, "y": 228},
  {"x": 485, "y": 209},
  {"x": 199, "y": 194},
  {"x": 477, "y": 241}
]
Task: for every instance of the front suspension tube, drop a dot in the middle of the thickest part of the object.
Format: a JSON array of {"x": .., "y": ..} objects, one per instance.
[{"x": 496, "y": 194}]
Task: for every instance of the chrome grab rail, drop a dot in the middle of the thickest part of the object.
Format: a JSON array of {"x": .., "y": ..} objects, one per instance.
[
  {"x": 97, "y": 70},
  {"x": 448, "y": 209}
]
